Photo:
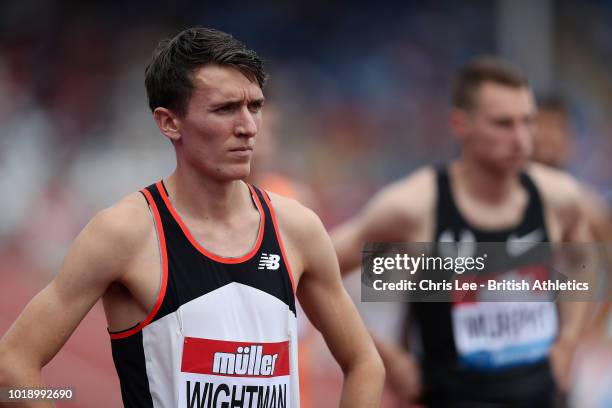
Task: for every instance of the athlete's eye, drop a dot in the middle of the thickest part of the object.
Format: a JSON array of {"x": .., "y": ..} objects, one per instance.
[
  {"x": 224, "y": 109},
  {"x": 256, "y": 106},
  {"x": 503, "y": 123}
]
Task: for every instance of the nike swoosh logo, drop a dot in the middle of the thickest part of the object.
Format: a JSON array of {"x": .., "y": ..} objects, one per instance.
[{"x": 517, "y": 246}]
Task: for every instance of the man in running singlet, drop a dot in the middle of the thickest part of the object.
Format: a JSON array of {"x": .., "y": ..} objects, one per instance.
[
  {"x": 199, "y": 272},
  {"x": 489, "y": 194}
]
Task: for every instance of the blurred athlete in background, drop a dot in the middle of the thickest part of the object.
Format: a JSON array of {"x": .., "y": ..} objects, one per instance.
[{"x": 491, "y": 193}]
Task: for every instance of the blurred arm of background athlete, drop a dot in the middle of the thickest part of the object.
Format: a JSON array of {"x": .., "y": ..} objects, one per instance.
[
  {"x": 327, "y": 304},
  {"x": 599, "y": 218},
  {"x": 401, "y": 212},
  {"x": 563, "y": 194},
  {"x": 107, "y": 250}
]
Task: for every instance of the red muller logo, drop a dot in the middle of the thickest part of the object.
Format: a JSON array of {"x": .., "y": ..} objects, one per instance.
[
  {"x": 236, "y": 359},
  {"x": 246, "y": 360}
]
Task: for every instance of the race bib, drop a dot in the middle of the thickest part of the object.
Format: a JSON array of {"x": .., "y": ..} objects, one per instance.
[
  {"x": 224, "y": 374},
  {"x": 495, "y": 335}
]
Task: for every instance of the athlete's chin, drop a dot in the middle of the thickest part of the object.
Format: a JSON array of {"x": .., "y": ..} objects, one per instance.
[
  {"x": 516, "y": 164},
  {"x": 507, "y": 167},
  {"x": 237, "y": 171},
  {"x": 511, "y": 162}
]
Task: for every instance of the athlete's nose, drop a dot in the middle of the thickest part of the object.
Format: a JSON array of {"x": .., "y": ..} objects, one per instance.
[
  {"x": 247, "y": 124},
  {"x": 523, "y": 136},
  {"x": 520, "y": 137}
]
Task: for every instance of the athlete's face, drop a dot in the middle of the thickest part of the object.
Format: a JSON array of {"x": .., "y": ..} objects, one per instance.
[
  {"x": 498, "y": 131},
  {"x": 217, "y": 135}
]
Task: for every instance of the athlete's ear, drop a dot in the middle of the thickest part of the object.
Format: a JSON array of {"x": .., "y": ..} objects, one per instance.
[
  {"x": 168, "y": 122},
  {"x": 459, "y": 123}
]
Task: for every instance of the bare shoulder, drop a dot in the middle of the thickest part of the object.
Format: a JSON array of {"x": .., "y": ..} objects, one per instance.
[
  {"x": 405, "y": 201},
  {"x": 562, "y": 190},
  {"x": 558, "y": 188},
  {"x": 297, "y": 220},
  {"x": 415, "y": 191},
  {"x": 302, "y": 233},
  {"x": 597, "y": 213},
  {"x": 595, "y": 203},
  {"x": 113, "y": 236},
  {"x": 561, "y": 195},
  {"x": 126, "y": 221}
]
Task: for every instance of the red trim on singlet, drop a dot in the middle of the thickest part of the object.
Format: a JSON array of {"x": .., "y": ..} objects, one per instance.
[
  {"x": 214, "y": 257},
  {"x": 278, "y": 237},
  {"x": 164, "y": 280}
]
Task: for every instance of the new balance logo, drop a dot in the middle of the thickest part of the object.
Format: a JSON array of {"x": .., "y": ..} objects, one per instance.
[{"x": 269, "y": 261}]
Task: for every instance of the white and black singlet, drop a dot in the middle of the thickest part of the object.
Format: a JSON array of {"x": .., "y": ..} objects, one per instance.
[{"x": 223, "y": 330}]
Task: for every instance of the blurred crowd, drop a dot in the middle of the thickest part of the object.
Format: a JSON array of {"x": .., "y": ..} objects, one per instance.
[
  {"x": 361, "y": 95},
  {"x": 359, "y": 92}
]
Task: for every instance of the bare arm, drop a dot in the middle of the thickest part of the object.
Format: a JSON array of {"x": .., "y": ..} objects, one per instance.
[
  {"x": 573, "y": 321},
  {"x": 563, "y": 195},
  {"x": 395, "y": 214},
  {"x": 96, "y": 258},
  {"x": 376, "y": 223},
  {"x": 574, "y": 314},
  {"x": 599, "y": 216},
  {"x": 329, "y": 307},
  {"x": 332, "y": 312},
  {"x": 403, "y": 372}
]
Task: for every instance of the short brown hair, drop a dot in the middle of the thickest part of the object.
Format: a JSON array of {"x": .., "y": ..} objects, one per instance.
[
  {"x": 168, "y": 77},
  {"x": 472, "y": 75}
]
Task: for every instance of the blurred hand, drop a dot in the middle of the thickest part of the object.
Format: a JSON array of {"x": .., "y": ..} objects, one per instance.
[
  {"x": 404, "y": 378},
  {"x": 561, "y": 356}
]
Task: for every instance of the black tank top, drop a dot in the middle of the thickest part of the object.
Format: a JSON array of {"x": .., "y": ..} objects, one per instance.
[
  {"x": 488, "y": 364},
  {"x": 223, "y": 330}
]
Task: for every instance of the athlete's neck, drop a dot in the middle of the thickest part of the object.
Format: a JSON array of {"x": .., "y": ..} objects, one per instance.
[
  {"x": 482, "y": 183},
  {"x": 205, "y": 198}
]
